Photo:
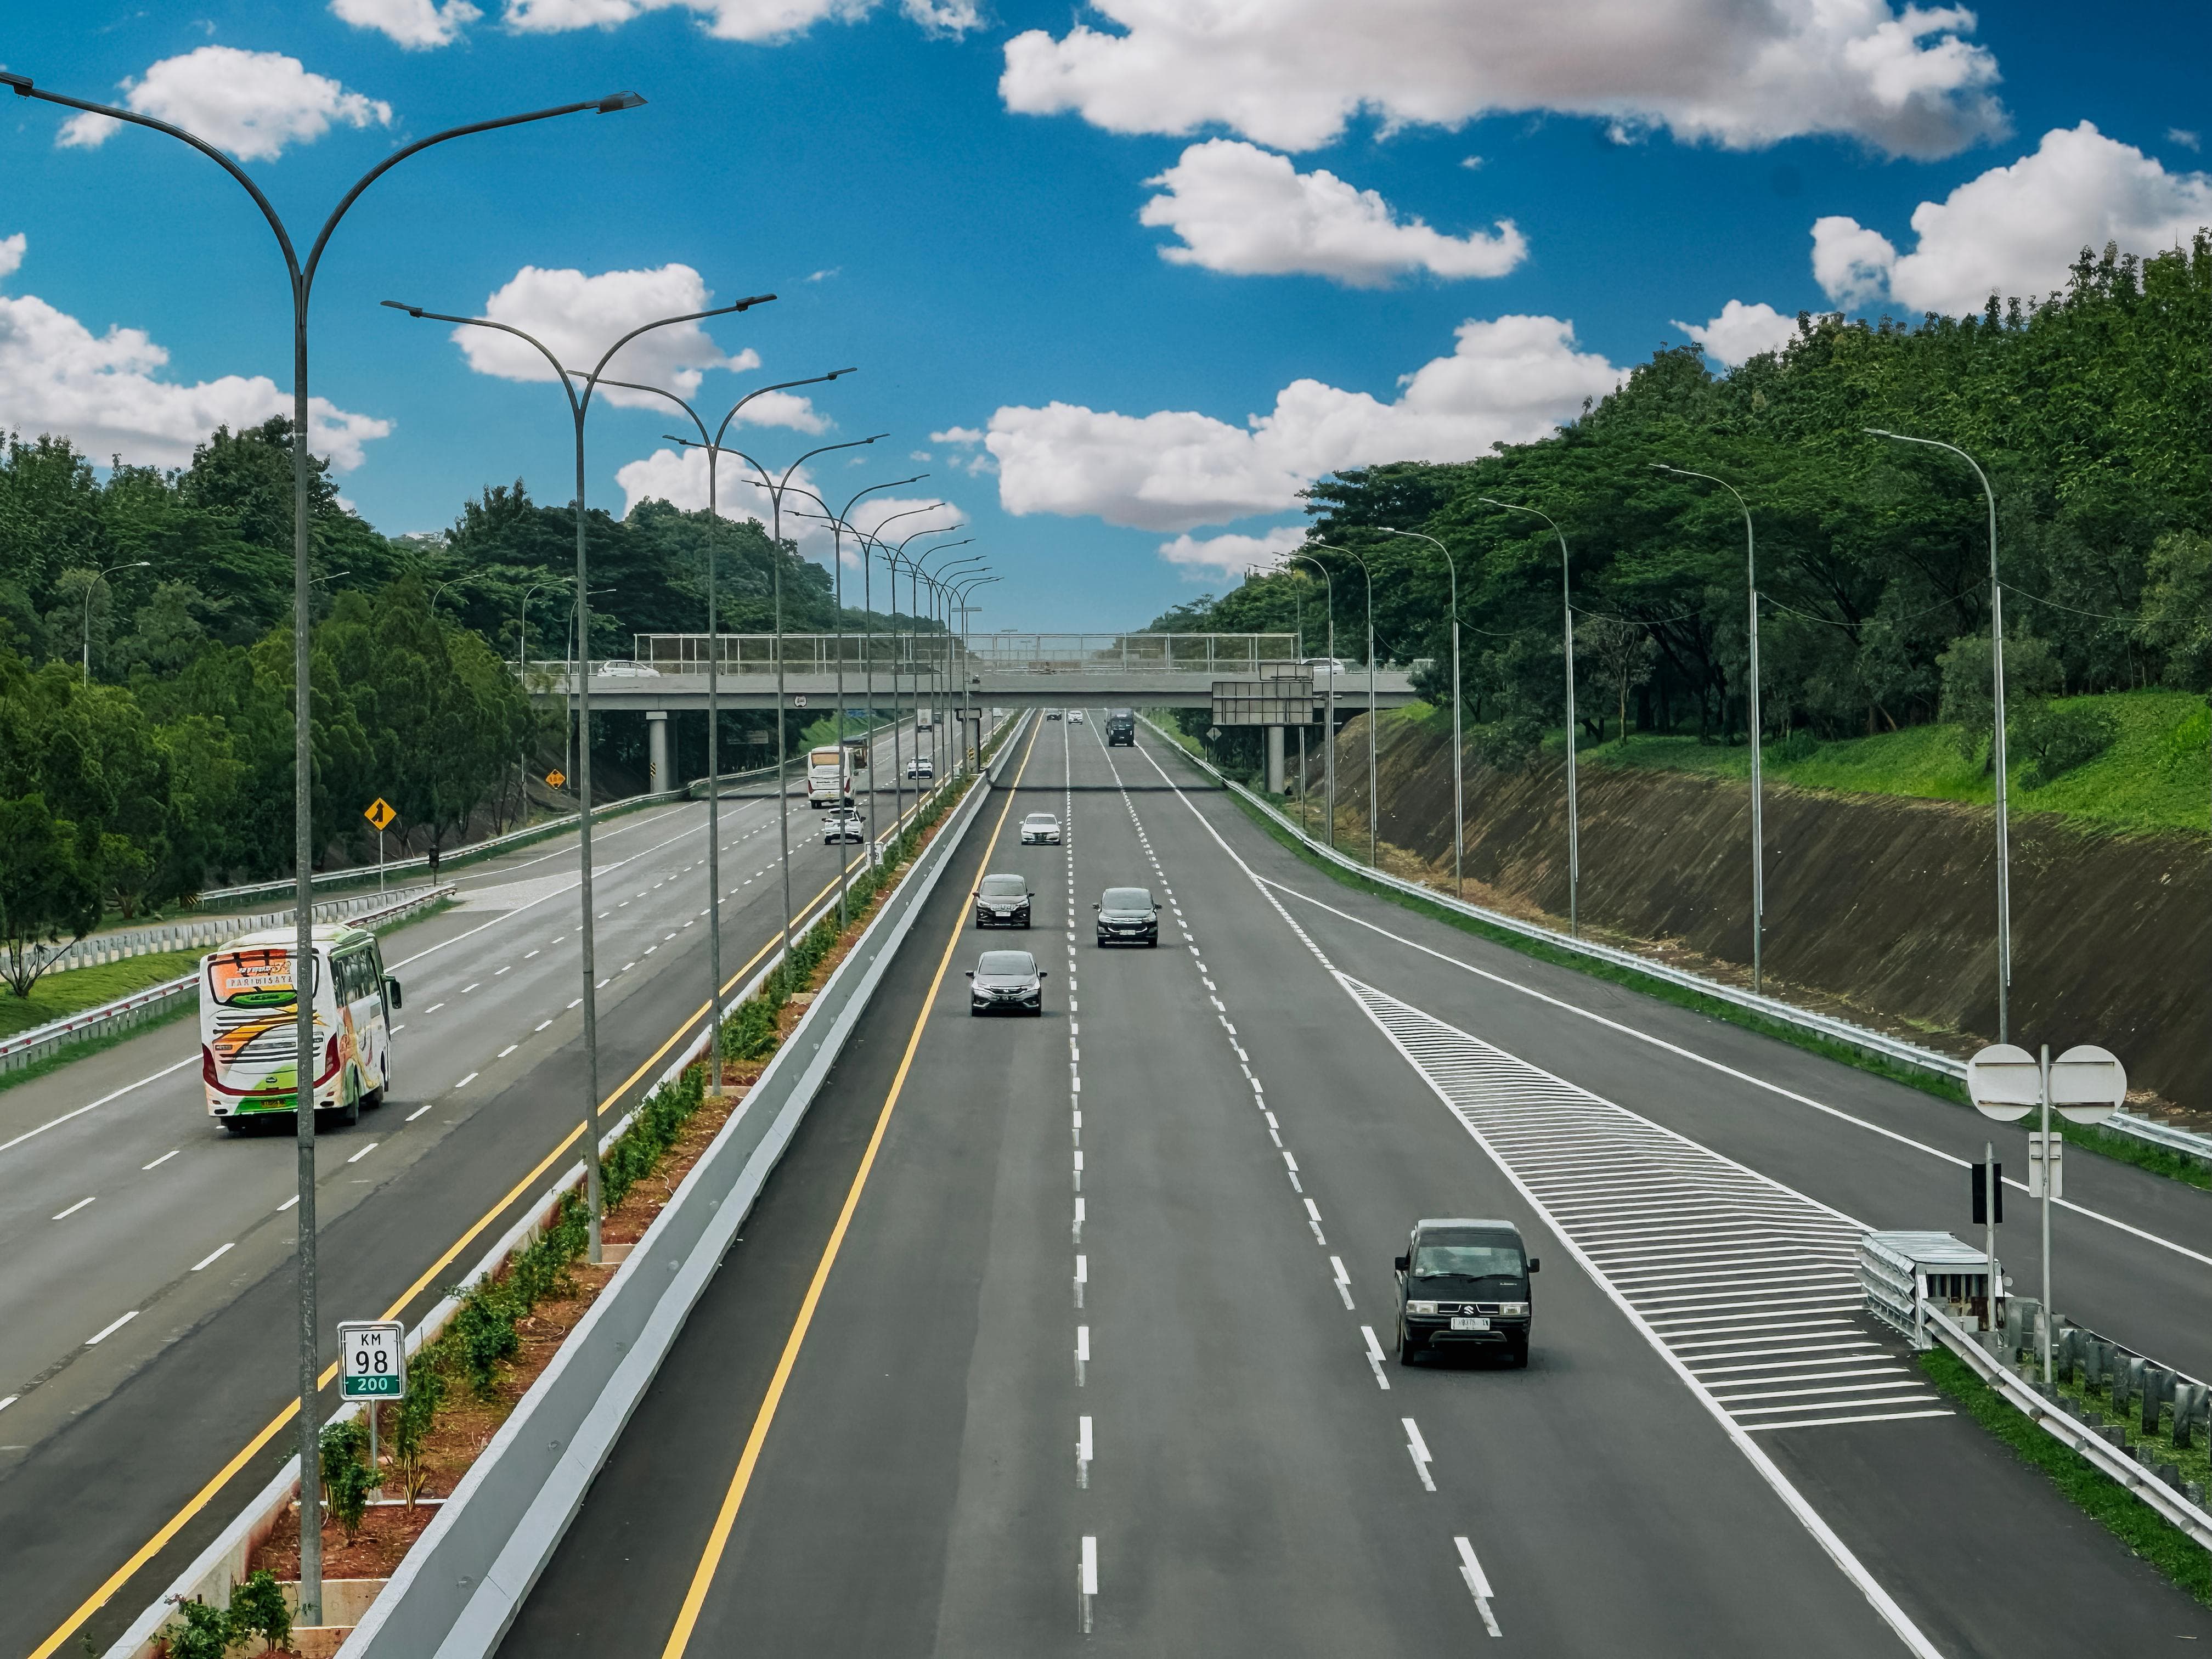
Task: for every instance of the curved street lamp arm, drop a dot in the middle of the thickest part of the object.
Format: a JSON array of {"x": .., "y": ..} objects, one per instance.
[
  {"x": 560, "y": 373},
  {"x": 663, "y": 392},
  {"x": 781, "y": 385}
]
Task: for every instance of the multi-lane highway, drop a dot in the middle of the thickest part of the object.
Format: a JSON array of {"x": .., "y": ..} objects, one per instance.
[
  {"x": 145, "y": 1314},
  {"x": 1078, "y": 1332}
]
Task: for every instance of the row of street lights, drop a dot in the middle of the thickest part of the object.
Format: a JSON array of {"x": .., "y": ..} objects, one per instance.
[{"x": 1754, "y": 714}]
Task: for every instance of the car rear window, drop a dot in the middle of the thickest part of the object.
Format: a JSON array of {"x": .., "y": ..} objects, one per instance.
[
  {"x": 1006, "y": 965},
  {"x": 1005, "y": 886},
  {"x": 1129, "y": 898}
]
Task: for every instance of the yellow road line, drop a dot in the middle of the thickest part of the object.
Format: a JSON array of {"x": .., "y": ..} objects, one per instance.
[
  {"x": 718, "y": 1538},
  {"x": 202, "y": 1498}
]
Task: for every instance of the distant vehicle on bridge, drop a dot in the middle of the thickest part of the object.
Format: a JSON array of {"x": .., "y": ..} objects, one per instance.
[
  {"x": 626, "y": 671},
  {"x": 1327, "y": 668},
  {"x": 1121, "y": 728}
]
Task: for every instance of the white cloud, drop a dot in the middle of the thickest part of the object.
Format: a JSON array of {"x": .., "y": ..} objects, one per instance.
[
  {"x": 2183, "y": 137},
  {"x": 1740, "y": 73},
  {"x": 417, "y": 24},
  {"x": 950, "y": 18},
  {"x": 1741, "y": 332},
  {"x": 1227, "y": 556},
  {"x": 579, "y": 317},
  {"x": 958, "y": 434},
  {"x": 1851, "y": 262},
  {"x": 1245, "y": 211},
  {"x": 1509, "y": 380},
  {"x": 679, "y": 476},
  {"x": 250, "y": 103},
  {"x": 2016, "y": 229},
  {"x": 104, "y": 393},
  {"x": 726, "y": 20},
  {"x": 11, "y": 252}
]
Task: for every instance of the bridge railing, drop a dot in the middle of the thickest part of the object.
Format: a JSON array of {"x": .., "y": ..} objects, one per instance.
[{"x": 1223, "y": 655}]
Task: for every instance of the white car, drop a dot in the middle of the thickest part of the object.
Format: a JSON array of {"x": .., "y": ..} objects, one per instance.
[
  {"x": 1327, "y": 668},
  {"x": 1075, "y": 717},
  {"x": 844, "y": 826},
  {"x": 1040, "y": 829},
  {"x": 919, "y": 769},
  {"x": 626, "y": 671}
]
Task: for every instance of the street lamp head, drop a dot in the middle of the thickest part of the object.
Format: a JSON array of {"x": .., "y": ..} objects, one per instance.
[
  {"x": 615, "y": 101},
  {"x": 401, "y": 305},
  {"x": 20, "y": 83},
  {"x": 835, "y": 373}
]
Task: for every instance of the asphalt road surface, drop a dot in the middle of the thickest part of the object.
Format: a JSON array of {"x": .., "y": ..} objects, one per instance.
[
  {"x": 1078, "y": 1332},
  {"x": 145, "y": 1313}
]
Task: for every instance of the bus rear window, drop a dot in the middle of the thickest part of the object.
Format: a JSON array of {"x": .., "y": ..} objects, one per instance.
[{"x": 252, "y": 979}]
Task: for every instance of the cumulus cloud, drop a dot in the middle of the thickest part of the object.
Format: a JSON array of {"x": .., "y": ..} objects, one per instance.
[
  {"x": 1242, "y": 210},
  {"x": 417, "y": 24},
  {"x": 12, "y": 249},
  {"x": 1741, "y": 332},
  {"x": 579, "y": 317},
  {"x": 949, "y": 18},
  {"x": 1508, "y": 380},
  {"x": 958, "y": 434},
  {"x": 1228, "y": 555},
  {"x": 1740, "y": 73},
  {"x": 250, "y": 103},
  {"x": 726, "y": 20},
  {"x": 105, "y": 392},
  {"x": 2016, "y": 230}
]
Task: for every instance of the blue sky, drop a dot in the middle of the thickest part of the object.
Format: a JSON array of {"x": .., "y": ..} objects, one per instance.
[{"x": 948, "y": 196}]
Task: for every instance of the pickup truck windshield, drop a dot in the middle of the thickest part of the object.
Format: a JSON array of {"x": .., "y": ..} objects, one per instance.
[{"x": 1472, "y": 1260}]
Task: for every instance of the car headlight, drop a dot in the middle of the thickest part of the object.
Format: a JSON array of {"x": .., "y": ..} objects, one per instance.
[
  {"x": 1421, "y": 1307},
  {"x": 1511, "y": 1308}
]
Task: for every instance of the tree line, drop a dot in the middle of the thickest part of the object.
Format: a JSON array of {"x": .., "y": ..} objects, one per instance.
[
  {"x": 146, "y": 731},
  {"x": 2090, "y": 410}
]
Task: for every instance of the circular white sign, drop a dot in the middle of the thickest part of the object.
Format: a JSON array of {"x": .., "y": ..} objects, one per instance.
[
  {"x": 2005, "y": 1082},
  {"x": 2088, "y": 1085}
]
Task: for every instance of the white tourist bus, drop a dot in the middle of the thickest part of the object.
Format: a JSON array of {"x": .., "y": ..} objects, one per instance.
[{"x": 249, "y": 1039}]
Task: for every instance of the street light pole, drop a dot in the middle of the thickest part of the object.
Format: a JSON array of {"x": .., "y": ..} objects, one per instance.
[
  {"x": 1459, "y": 803},
  {"x": 1329, "y": 737},
  {"x": 579, "y": 408},
  {"x": 102, "y": 576},
  {"x": 1997, "y": 730},
  {"x": 302, "y": 279},
  {"x": 941, "y": 589},
  {"x": 1567, "y": 629},
  {"x": 1374, "y": 800},
  {"x": 916, "y": 575},
  {"x": 1758, "y": 727}
]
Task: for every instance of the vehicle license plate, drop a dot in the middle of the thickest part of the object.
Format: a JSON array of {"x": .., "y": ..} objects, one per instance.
[{"x": 1460, "y": 1324}]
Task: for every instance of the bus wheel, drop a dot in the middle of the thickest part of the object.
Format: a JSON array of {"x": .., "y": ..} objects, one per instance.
[{"x": 235, "y": 1125}]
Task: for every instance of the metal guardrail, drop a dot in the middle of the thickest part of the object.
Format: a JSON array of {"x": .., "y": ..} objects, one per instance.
[
  {"x": 2108, "y": 1458},
  {"x": 27, "y": 1047},
  {"x": 465, "y": 854},
  {"x": 2128, "y": 1124},
  {"x": 198, "y": 933},
  {"x": 758, "y": 654}
]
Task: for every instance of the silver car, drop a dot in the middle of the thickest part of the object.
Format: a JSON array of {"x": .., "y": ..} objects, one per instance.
[
  {"x": 1040, "y": 829},
  {"x": 1005, "y": 982}
]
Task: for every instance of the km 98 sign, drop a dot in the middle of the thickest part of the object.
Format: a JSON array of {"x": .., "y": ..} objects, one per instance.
[{"x": 372, "y": 1360}]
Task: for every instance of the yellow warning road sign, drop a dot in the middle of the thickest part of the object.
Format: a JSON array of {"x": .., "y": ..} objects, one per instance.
[
  {"x": 556, "y": 777},
  {"x": 379, "y": 812}
]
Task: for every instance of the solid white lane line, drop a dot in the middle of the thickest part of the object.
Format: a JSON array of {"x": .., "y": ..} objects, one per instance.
[
  {"x": 1477, "y": 1584},
  {"x": 73, "y": 1208},
  {"x": 160, "y": 1161},
  {"x": 214, "y": 1256},
  {"x": 364, "y": 1152},
  {"x": 151, "y": 1077},
  {"x": 1830, "y": 1422},
  {"x": 104, "y": 1333}
]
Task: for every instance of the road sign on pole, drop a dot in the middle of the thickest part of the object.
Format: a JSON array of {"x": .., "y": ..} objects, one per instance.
[
  {"x": 556, "y": 777},
  {"x": 2088, "y": 1085},
  {"x": 379, "y": 812},
  {"x": 2004, "y": 1082},
  {"x": 372, "y": 1359}
]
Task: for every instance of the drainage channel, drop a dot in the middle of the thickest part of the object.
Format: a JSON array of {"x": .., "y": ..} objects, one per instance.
[{"x": 1750, "y": 1285}]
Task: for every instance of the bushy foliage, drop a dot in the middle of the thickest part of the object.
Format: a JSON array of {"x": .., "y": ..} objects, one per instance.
[
  {"x": 258, "y": 1608},
  {"x": 347, "y": 1479}
]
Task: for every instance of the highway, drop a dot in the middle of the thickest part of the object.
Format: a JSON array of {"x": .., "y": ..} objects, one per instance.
[
  {"x": 1077, "y": 1333},
  {"x": 145, "y": 1318}
]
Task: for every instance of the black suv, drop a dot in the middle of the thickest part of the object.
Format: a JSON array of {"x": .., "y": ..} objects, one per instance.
[
  {"x": 1465, "y": 1282},
  {"x": 1127, "y": 916},
  {"x": 1003, "y": 902},
  {"x": 1121, "y": 728}
]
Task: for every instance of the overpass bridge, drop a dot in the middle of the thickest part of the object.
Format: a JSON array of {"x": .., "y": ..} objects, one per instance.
[{"x": 1247, "y": 679}]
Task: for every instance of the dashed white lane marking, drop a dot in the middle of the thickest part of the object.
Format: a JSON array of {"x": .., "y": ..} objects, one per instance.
[
  {"x": 1418, "y": 1450},
  {"x": 1478, "y": 1586},
  {"x": 214, "y": 1256},
  {"x": 527, "y": 955},
  {"x": 1082, "y": 1451},
  {"x": 364, "y": 1152},
  {"x": 1343, "y": 1280},
  {"x": 288, "y": 1204},
  {"x": 1079, "y": 1221},
  {"x": 1087, "y": 1579},
  {"x": 105, "y": 1332},
  {"x": 1374, "y": 1356},
  {"x": 1082, "y": 1277},
  {"x": 434, "y": 1007},
  {"x": 160, "y": 1161},
  {"x": 1677, "y": 1275},
  {"x": 416, "y": 1112},
  {"x": 8, "y": 1402},
  {"x": 1082, "y": 1351},
  {"x": 465, "y": 989},
  {"x": 578, "y": 1002},
  {"x": 496, "y": 972},
  {"x": 73, "y": 1209},
  {"x": 540, "y": 1026},
  {"x": 467, "y": 1080},
  {"x": 505, "y": 1052}
]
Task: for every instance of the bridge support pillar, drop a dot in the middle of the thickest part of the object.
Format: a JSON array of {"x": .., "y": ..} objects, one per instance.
[
  {"x": 1274, "y": 760},
  {"x": 656, "y": 738}
]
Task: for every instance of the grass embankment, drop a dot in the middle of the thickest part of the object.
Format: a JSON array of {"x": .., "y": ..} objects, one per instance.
[
  {"x": 2155, "y": 776},
  {"x": 71, "y": 991}
]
